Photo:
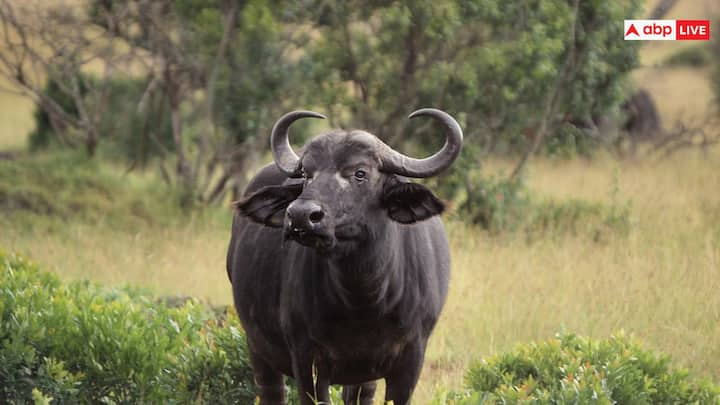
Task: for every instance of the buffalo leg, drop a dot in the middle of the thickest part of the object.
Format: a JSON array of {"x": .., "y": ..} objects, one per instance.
[
  {"x": 270, "y": 383},
  {"x": 361, "y": 394},
  {"x": 311, "y": 379},
  {"x": 403, "y": 377}
]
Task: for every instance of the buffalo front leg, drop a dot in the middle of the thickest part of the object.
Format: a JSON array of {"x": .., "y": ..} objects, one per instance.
[
  {"x": 361, "y": 394},
  {"x": 311, "y": 379},
  {"x": 270, "y": 383},
  {"x": 404, "y": 375}
]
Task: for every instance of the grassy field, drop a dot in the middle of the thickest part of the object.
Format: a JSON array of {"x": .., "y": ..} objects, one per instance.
[{"x": 658, "y": 283}]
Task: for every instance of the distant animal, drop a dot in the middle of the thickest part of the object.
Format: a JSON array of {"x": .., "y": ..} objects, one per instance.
[
  {"x": 642, "y": 120},
  {"x": 340, "y": 265}
]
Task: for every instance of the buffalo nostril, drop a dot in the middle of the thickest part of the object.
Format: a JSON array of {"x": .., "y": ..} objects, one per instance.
[{"x": 316, "y": 216}]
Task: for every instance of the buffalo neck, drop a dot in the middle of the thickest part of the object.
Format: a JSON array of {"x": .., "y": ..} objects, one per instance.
[{"x": 369, "y": 279}]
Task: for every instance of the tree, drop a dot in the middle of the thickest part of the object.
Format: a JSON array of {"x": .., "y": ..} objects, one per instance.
[
  {"x": 221, "y": 67},
  {"x": 502, "y": 67},
  {"x": 46, "y": 48}
]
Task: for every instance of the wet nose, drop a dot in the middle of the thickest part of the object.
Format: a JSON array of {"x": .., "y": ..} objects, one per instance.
[{"x": 305, "y": 214}]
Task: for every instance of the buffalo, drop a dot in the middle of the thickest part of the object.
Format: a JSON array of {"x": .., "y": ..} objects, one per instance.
[{"x": 339, "y": 264}]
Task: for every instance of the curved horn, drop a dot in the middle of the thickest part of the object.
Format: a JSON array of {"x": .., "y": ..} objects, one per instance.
[
  {"x": 283, "y": 154},
  {"x": 396, "y": 162}
]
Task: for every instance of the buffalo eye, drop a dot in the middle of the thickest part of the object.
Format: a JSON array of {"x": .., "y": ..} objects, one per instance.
[{"x": 360, "y": 175}]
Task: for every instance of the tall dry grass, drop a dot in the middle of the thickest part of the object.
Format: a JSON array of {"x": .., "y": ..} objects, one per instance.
[{"x": 660, "y": 282}]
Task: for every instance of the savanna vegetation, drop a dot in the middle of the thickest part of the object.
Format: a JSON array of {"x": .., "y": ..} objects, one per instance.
[{"x": 126, "y": 128}]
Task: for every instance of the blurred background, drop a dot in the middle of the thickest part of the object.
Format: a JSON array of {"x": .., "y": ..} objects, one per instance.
[{"x": 586, "y": 199}]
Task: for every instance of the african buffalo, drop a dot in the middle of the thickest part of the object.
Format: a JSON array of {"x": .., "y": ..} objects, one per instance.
[{"x": 339, "y": 265}]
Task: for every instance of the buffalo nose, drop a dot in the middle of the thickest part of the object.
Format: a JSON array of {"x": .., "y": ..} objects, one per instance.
[{"x": 305, "y": 214}]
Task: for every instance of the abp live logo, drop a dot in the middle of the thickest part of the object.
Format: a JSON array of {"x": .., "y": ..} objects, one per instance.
[{"x": 667, "y": 30}]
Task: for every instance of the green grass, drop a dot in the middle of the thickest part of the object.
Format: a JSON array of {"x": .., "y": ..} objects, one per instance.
[{"x": 68, "y": 186}]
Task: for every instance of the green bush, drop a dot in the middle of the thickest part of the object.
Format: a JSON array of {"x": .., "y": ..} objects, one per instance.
[
  {"x": 574, "y": 370},
  {"x": 78, "y": 342}
]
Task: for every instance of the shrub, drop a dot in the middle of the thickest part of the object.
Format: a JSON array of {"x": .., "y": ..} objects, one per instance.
[
  {"x": 573, "y": 369},
  {"x": 78, "y": 342}
]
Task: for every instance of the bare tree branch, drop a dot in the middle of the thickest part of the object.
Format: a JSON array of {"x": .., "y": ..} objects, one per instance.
[{"x": 52, "y": 44}]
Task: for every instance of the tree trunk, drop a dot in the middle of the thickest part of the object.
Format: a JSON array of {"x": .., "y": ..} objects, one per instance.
[{"x": 91, "y": 142}]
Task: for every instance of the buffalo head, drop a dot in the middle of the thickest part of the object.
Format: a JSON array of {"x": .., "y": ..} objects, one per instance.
[{"x": 346, "y": 184}]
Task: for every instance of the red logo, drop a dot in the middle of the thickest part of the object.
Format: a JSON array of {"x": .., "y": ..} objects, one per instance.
[
  {"x": 632, "y": 30},
  {"x": 693, "y": 29},
  {"x": 666, "y": 30}
]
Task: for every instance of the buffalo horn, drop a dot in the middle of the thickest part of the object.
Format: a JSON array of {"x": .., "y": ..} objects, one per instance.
[
  {"x": 285, "y": 158},
  {"x": 395, "y": 162}
]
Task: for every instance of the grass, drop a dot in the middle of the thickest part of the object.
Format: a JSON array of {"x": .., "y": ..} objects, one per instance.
[
  {"x": 101, "y": 224},
  {"x": 658, "y": 281},
  {"x": 16, "y": 119}
]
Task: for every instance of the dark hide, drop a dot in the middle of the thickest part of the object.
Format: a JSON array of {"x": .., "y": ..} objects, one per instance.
[{"x": 356, "y": 310}]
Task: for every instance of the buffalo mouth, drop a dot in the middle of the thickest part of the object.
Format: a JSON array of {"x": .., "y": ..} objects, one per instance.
[{"x": 310, "y": 239}]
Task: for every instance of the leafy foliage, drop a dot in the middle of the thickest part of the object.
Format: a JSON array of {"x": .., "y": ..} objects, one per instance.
[
  {"x": 79, "y": 342},
  {"x": 43, "y": 135},
  {"x": 229, "y": 69},
  {"x": 573, "y": 369},
  {"x": 258, "y": 79},
  {"x": 489, "y": 62},
  {"x": 132, "y": 134}
]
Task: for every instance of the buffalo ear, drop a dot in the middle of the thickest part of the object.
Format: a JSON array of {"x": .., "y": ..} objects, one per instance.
[
  {"x": 267, "y": 205},
  {"x": 408, "y": 202}
]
